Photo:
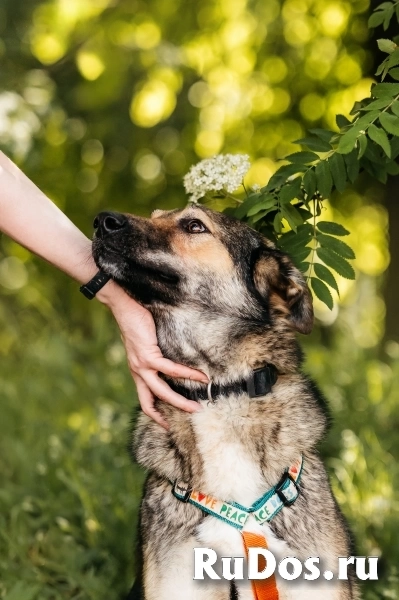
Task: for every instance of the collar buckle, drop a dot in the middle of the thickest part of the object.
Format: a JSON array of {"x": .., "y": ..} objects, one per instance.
[
  {"x": 181, "y": 491},
  {"x": 287, "y": 493}
]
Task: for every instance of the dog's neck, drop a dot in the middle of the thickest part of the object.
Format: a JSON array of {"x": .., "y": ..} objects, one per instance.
[{"x": 226, "y": 347}]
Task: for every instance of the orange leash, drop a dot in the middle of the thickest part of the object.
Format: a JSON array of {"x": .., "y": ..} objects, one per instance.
[{"x": 264, "y": 589}]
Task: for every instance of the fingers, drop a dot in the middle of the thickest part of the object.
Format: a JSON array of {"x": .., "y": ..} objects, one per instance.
[
  {"x": 161, "y": 390},
  {"x": 146, "y": 400},
  {"x": 166, "y": 366}
]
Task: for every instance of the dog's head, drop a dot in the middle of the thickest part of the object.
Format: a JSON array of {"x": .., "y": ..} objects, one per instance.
[{"x": 202, "y": 259}]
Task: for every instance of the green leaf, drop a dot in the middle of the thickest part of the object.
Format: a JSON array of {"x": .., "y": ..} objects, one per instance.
[
  {"x": 263, "y": 205},
  {"x": 395, "y": 108},
  {"x": 393, "y": 168},
  {"x": 332, "y": 228},
  {"x": 242, "y": 210},
  {"x": 309, "y": 183},
  {"x": 384, "y": 6},
  {"x": 290, "y": 241},
  {"x": 352, "y": 165},
  {"x": 356, "y": 107},
  {"x": 281, "y": 175},
  {"x": 322, "y": 292},
  {"x": 362, "y": 144},
  {"x": 347, "y": 141},
  {"x": 315, "y": 144},
  {"x": 262, "y": 214},
  {"x": 387, "y": 46},
  {"x": 393, "y": 59},
  {"x": 377, "y": 18},
  {"x": 382, "y": 67},
  {"x": 302, "y": 157},
  {"x": 380, "y": 137},
  {"x": 365, "y": 120},
  {"x": 290, "y": 191},
  {"x": 303, "y": 266},
  {"x": 304, "y": 212},
  {"x": 324, "y": 179},
  {"x": 380, "y": 103},
  {"x": 299, "y": 255},
  {"x": 277, "y": 222},
  {"x": 323, "y": 134},
  {"x": 388, "y": 16},
  {"x": 342, "y": 121},
  {"x": 325, "y": 274},
  {"x": 338, "y": 246},
  {"x": 394, "y": 73},
  {"x": 337, "y": 263},
  {"x": 338, "y": 171},
  {"x": 395, "y": 147},
  {"x": 388, "y": 90},
  {"x": 292, "y": 216},
  {"x": 390, "y": 123}
]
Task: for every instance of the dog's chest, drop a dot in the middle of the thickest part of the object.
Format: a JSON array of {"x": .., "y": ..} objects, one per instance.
[{"x": 224, "y": 439}]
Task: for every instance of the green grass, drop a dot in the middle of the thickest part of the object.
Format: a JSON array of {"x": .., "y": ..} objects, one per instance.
[{"x": 69, "y": 494}]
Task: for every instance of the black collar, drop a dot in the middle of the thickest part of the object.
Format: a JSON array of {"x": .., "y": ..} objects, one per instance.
[{"x": 259, "y": 383}]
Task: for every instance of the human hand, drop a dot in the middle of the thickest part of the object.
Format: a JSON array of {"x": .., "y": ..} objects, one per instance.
[{"x": 144, "y": 357}]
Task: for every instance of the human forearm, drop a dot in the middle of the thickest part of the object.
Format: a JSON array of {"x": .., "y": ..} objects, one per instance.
[{"x": 31, "y": 219}]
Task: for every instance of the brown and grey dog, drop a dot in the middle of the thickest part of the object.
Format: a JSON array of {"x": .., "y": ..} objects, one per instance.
[{"x": 225, "y": 301}]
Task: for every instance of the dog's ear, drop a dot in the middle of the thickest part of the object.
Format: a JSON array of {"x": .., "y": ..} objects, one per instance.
[{"x": 284, "y": 287}]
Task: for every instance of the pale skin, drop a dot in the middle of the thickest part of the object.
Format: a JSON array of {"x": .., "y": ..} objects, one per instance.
[{"x": 35, "y": 222}]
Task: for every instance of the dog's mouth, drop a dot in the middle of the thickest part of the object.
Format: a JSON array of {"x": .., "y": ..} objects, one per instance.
[{"x": 127, "y": 269}]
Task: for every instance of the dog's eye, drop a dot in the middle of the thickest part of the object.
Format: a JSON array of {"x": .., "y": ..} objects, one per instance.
[{"x": 195, "y": 226}]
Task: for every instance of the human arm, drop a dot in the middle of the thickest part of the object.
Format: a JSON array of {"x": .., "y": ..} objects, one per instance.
[{"x": 31, "y": 219}]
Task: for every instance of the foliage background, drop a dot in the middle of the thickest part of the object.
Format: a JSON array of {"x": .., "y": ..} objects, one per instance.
[{"x": 106, "y": 104}]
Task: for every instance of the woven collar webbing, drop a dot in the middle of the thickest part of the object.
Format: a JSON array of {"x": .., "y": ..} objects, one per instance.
[
  {"x": 259, "y": 383},
  {"x": 263, "y": 510}
]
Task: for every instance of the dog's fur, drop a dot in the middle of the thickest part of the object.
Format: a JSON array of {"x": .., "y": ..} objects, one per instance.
[{"x": 225, "y": 301}]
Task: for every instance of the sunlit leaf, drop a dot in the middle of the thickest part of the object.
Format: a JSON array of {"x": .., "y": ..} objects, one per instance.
[
  {"x": 390, "y": 123},
  {"x": 379, "y": 137},
  {"x": 336, "y": 262},
  {"x": 382, "y": 90},
  {"x": 387, "y": 46},
  {"x": 347, "y": 141}
]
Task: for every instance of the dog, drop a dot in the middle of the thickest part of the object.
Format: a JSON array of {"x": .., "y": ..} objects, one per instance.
[{"x": 227, "y": 302}]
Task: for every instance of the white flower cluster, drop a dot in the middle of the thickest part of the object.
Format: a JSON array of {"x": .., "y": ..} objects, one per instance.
[{"x": 221, "y": 172}]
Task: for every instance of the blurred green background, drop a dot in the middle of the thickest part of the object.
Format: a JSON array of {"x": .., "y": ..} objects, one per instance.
[{"x": 106, "y": 104}]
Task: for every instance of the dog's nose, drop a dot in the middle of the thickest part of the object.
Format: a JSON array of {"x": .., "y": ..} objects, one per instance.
[{"x": 107, "y": 223}]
